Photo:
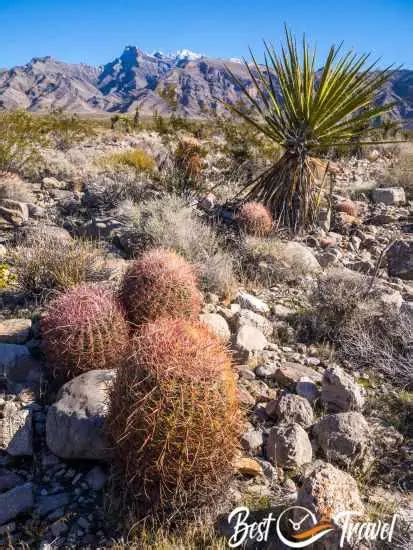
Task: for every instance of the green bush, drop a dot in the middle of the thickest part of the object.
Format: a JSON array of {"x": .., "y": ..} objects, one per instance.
[
  {"x": 22, "y": 137},
  {"x": 138, "y": 160},
  {"x": 66, "y": 129}
]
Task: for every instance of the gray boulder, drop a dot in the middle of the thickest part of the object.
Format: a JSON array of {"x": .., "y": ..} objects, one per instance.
[
  {"x": 15, "y": 331},
  {"x": 248, "y": 301},
  {"x": 288, "y": 446},
  {"x": 246, "y": 317},
  {"x": 17, "y": 501},
  {"x": 16, "y": 430},
  {"x": 74, "y": 424},
  {"x": 344, "y": 438},
  {"x": 18, "y": 367},
  {"x": 339, "y": 392},
  {"x": 291, "y": 408},
  {"x": 400, "y": 260},
  {"x": 12, "y": 213},
  {"x": 217, "y": 324},
  {"x": 249, "y": 339},
  {"x": 326, "y": 491},
  {"x": 389, "y": 195}
]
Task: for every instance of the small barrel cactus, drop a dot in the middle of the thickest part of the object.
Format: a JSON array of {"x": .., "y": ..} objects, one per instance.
[
  {"x": 174, "y": 417},
  {"x": 348, "y": 207},
  {"x": 160, "y": 284},
  {"x": 255, "y": 219},
  {"x": 84, "y": 329}
]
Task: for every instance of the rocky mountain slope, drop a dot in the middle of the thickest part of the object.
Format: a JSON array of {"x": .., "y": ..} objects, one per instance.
[{"x": 185, "y": 83}]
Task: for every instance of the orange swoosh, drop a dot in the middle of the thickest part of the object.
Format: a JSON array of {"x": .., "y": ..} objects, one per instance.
[{"x": 323, "y": 525}]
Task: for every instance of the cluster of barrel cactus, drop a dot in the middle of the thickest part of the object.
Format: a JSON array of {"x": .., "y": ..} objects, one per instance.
[{"x": 174, "y": 416}]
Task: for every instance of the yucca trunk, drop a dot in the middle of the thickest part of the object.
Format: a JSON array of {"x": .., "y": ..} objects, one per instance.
[{"x": 292, "y": 189}]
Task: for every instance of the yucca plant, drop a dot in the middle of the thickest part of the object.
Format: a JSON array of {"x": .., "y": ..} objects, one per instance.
[{"x": 307, "y": 112}]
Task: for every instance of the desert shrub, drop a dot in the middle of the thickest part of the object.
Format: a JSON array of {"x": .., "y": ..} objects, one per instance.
[
  {"x": 367, "y": 333},
  {"x": 170, "y": 222},
  {"x": 400, "y": 174},
  {"x": 255, "y": 219},
  {"x": 110, "y": 190},
  {"x": 84, "y": 329},
  {"x": 7, "y": 278},
  {"x": 174, "y": 418},
  {"x": 336, "y": 297},
  {"x": 14, "y": 188},
  {"x": 381, "y": 340},
  {"x": 21, "y": 138},
  {"x": 270, "y": 260},
  {"x": 46, "y": 263},
  {"x": 138, "y": 160},
  {"x": 65, "y": 129},
  {"x": 160, "y": 284}
]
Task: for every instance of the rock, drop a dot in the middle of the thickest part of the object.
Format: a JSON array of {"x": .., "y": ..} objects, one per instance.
[
  {"x": 16, "y": 430},
  {"x": 217, "y": 324},
  {"x": 15, "y": 331},
  {"x": 291, "y": 408},
  {"x": 344, "y": 438},
  {"x": 328, "y": 258},
  {"x": 99, "y": 228},
  {"x": 249, "y": 339},
  {"x": 389, "y": 195},
  {"x": 19, "y": 367},
  {"x": 307, "y": 388},
  {"x": 246, "y": 317},
  {"x": 290, "y": 373},
  {"x": 282, "y": 312},
  {"x": 339, "y": 392},
  {"x": 74, "y": 424},
  {"x": 53, "y": 183},
  {"x": 248, "y": 466},
  {"x": 299, "y": 257},
  {"x": 12, "y": 213},
  {"x": 15, "y": 502},
  {"x": 248, "y": 301},
  {"x": 252, "y": 441},
  {"x": 49, "y": 503},
  {"x": 288, "y": 446},
  {"x": 96, "y": 478},
  {"x": 9, "y": 480},
  {"x": 400, "y": 260},
  {"x": 327, "y": 491}
]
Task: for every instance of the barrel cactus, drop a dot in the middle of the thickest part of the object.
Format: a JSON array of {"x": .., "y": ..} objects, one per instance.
[
  {"x": 84, "y": 329},
  {"x": 174, "y": 417},
  {"x": 255, "y": 219},
  {"x": 160, "y": 284}
]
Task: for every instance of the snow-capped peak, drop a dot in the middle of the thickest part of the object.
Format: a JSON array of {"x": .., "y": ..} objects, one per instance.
[{"x": 187, "y": 55}]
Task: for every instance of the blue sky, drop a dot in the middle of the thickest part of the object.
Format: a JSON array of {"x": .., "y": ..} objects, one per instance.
[{"x": 96, "y": 31}]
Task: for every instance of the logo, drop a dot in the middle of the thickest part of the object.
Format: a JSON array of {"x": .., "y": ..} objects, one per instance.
[
  {"x": 305, "y": 530},
  {"x": 297, "y": 527}
]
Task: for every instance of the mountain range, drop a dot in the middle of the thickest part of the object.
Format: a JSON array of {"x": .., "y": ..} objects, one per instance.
[{"x": 184, "y": 83}]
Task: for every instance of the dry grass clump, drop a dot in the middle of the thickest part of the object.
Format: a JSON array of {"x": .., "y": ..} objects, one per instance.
[
  {"x": 380, "y": 340},
  {"x": 138, "y": 160},
  {"x": 368, "y": 334},
  {"x": 255, "y": 219},
  {"x": 14, "y": 188},
  {"x": 336, "y": 298},
  {"x": 46, "y": 263},
  {"x": 84, "y": 329},
  {"x": 174, "y": 419},
  {"x": 400, "y": 174},
  {"x": 171, "y": 223},
  {"x": 111, "y": 190},
  {"x": 160, "y": 284}
]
